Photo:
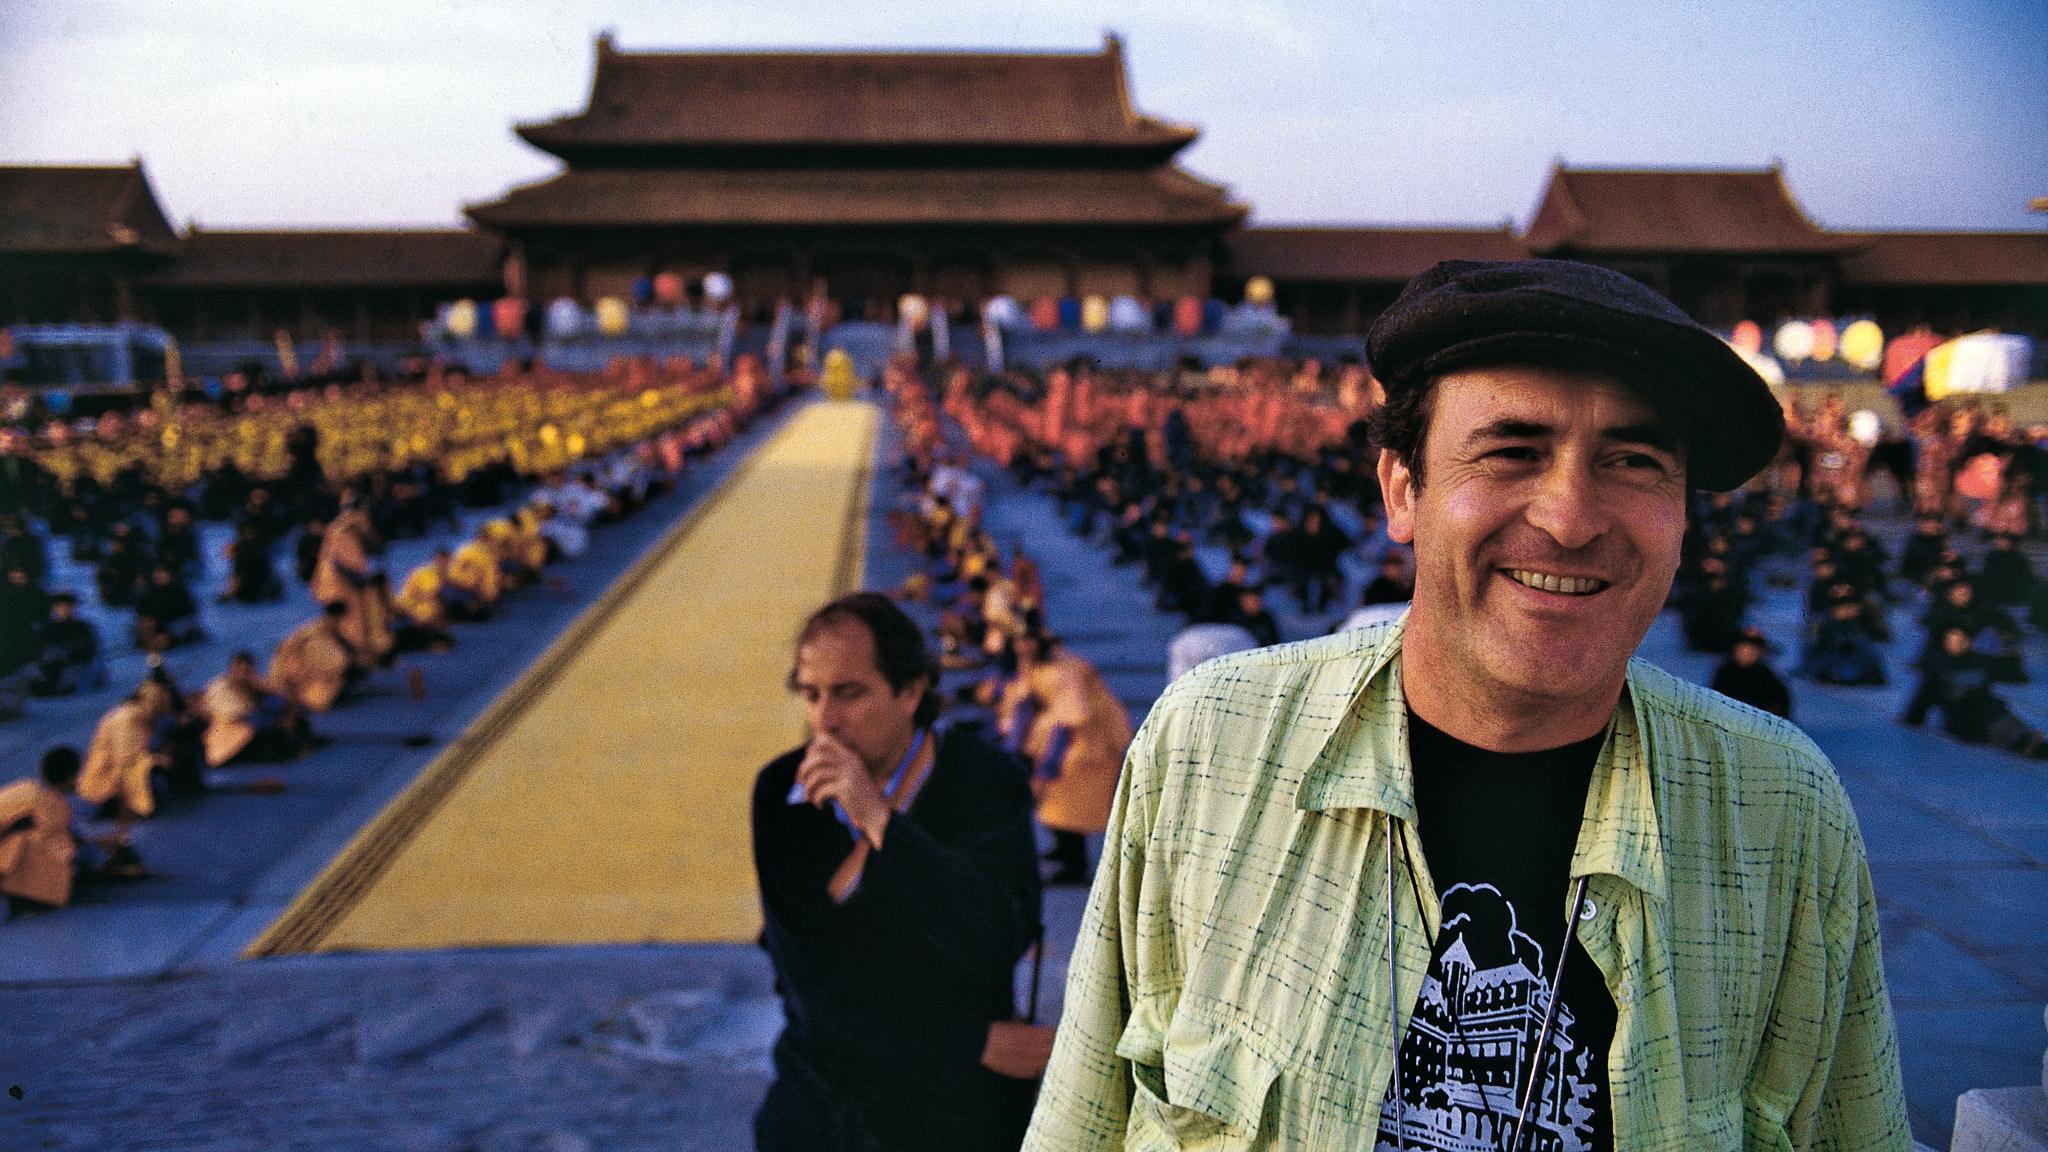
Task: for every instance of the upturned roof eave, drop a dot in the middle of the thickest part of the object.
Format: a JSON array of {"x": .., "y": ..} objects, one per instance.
[{"x": 570, "y": 138}]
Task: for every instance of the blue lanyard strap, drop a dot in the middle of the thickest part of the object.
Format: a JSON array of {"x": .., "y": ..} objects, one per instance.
[{"x": 909, "y": 758}]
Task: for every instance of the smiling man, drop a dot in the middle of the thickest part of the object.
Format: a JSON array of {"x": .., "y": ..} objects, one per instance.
[{"x": 1477, "y": 877}]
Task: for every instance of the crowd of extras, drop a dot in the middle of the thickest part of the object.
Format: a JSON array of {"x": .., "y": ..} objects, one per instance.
[
  {"x": 1221, "y": 494},
  {"x": 1226, "y": 498},
  {"x": 161, "y": 741}
]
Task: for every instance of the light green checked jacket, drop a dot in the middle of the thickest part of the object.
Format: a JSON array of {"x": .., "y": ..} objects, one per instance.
[{"x": 1230, "y": 985}]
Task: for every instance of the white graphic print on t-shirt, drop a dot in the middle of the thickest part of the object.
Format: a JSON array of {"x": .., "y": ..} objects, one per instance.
[{"x": 1468, "y": 1042}]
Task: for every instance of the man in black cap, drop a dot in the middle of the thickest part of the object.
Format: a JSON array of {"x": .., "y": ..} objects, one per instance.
[{"x": 1476, "y": 876}]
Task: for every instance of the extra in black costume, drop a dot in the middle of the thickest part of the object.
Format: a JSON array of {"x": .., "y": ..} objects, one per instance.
[{"x": 888, "y": 996}]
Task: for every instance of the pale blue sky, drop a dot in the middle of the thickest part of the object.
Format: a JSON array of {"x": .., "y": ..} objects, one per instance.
[{"x": 366, "y": 112}]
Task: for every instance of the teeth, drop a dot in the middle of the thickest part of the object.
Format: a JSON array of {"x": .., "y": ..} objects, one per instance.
[{"x": 1568, "y": 585}]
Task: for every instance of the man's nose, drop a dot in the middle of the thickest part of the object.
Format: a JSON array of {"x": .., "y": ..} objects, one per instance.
[{"x": 1567, "y": 505}]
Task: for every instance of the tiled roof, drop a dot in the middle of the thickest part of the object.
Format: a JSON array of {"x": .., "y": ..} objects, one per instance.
[
  {"x": 1006, "y": 99},
  {"x": 1675, "y": 210},
  {"x": 1355, "y": 254},
  {"x": 337, "y": 259},
  {"x": 654, "y": 198},
  {"x": 81, "y": 209},
  {"x": 1939, "y": 258}
]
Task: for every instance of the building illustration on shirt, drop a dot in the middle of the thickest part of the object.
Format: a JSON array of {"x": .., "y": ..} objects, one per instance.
[{"x": 1469, "y": 1039}]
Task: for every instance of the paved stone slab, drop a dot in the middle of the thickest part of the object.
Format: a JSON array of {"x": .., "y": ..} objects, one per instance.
[
  {"x": 167, "y": 1026},
  {"x": 223, "y": 943},
  {"x": 1988, "y": 905},
  {"x": 170, "y": 1087},
  {"x": 2002, "y": 1120},
  {"x": 395, "y": 1033},
  {"x": 1924, "y": 966},
  {"x": 257, "y": 1031},
  {"x": 105, "y": 941},
  {"x": 1946, "y": 1051},
  {"x": 1897, "y": 831}
]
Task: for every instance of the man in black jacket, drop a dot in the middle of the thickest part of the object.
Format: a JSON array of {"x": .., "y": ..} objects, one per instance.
[{"x": 899, "y": 883}]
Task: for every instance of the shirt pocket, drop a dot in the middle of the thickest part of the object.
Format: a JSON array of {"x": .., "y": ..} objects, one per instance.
[{"x": 1198, "y": 1086}]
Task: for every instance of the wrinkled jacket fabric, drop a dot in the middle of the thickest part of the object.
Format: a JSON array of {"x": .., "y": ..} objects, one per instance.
[{"x": 1230, "y": 985}]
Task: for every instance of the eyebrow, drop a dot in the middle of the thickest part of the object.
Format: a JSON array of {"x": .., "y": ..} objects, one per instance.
[{"x": 1650, "y": 434}]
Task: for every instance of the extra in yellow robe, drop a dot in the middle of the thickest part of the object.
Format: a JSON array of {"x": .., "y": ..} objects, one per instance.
[
  {"x": 35, "y": 863},
  {"x": 118, "y": 761},
  {"x": 1068, "y": 692},
  {"x": 311, "y": 666},
  {"x": 344, "y": 562},
  {"x": 474, "y": 569},
  {"x": 420, "y": 599}
]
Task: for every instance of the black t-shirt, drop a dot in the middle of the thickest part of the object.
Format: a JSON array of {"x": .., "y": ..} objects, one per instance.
[{"x": 1498, "y": 830}]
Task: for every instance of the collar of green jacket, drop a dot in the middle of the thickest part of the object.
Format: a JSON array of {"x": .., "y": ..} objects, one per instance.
[{"x": 1361, "y": 763}]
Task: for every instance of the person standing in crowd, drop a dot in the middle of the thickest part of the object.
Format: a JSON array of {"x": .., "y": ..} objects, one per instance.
[
  {"x": 345, "y": 575},
  {"x": 24, "y": 609},
  {"x": 1066, "y": 723},
  {"x": 252, "y": 576},
  {"x": 1339, "y": 865},
  {"x": 899, "y": 887},
  {"x": 1318, "y": 545}
]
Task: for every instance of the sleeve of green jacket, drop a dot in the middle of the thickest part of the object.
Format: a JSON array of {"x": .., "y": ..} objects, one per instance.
[
  {"x": 1085, "y": 1102},
  {"x": 1858, "y": 1098},
  {"x": 1836, "y": 1061}
]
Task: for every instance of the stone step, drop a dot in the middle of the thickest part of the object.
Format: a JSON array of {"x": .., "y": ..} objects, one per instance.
[
  {"x": 388, "y": 1035},
  {"x": 2001, "y": 1120},
  {"x": 254, "y": 1032}
]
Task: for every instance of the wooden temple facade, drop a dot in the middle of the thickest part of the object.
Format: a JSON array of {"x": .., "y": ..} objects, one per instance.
[
  {"x": 75, "y": 241},
  {"x": 867, "y": 176},
  {"x": 1725, "y": 245},
  {"x": 955, "y": 175}
]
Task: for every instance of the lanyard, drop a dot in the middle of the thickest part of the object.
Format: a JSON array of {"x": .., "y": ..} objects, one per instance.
[{"x": 796, "y": 791}]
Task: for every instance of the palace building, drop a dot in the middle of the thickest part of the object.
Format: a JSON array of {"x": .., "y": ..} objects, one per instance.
[{"x": 954, "y": 175}]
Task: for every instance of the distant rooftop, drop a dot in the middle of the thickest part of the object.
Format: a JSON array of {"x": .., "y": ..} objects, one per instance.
[
  {"x": 642, "y": 100},
  {"x": 1612, "y": 211},
  {"x": 79, "y": 209}
]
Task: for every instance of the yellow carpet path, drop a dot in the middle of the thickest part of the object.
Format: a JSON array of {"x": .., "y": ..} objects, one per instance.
[{"x": 603, "y": 798}]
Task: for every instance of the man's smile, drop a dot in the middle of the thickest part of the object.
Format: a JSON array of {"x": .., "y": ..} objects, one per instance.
[{"x": 1554, "y": 582}]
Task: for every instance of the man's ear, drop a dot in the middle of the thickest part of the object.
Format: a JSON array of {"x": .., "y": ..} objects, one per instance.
[{"x": 1397, "y": 485}]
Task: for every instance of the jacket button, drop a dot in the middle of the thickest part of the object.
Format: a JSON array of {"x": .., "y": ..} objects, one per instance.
[{"x": 1589, "y": 911}]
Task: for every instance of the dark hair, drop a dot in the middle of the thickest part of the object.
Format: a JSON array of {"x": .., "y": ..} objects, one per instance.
[
  {"x": 60, "y": 765},
  {"x": 1400, "y": 423},
  {"x": 901, "y": 655}
]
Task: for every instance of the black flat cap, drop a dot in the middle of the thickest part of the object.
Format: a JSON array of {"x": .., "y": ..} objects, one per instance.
[{"x": 1477, "y": 313}]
